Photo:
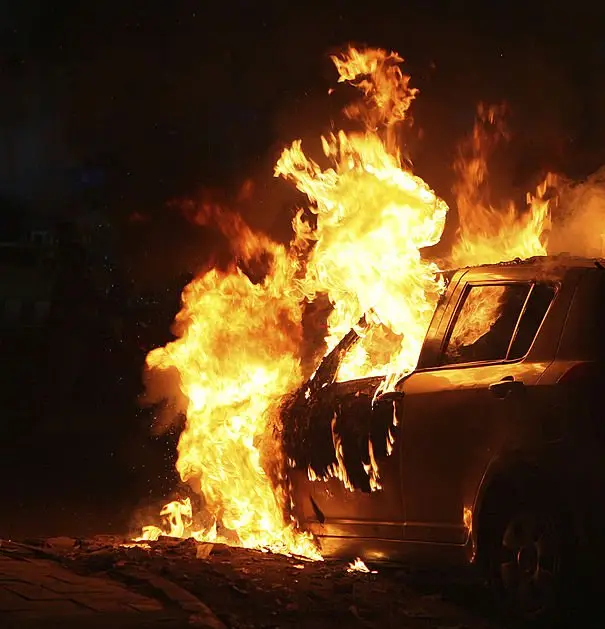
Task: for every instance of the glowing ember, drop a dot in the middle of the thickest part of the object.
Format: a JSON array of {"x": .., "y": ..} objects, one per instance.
[
  {"x": 238, "y": 351},
  {"x": 467, "y": 518},
  {"x": 143, "y": 545},
  {"x": 359, "y": 566}
]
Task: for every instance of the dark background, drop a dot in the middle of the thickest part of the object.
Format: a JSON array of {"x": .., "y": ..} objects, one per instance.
[
  {"x": 108, "y": 110},
  {"x": 130, "y": 103}
]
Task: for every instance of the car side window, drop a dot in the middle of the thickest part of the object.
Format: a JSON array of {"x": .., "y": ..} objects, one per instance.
[
  {"x": 497, "y": 322},
  {"x": 536, "y": 307},
  {"x": 485, "y": 323}
]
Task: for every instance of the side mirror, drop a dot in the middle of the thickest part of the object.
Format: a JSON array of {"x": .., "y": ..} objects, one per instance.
[{"x": 389, "y": 396}]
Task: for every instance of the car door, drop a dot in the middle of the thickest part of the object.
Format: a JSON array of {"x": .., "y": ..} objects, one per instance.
[
  {"x": 458, "y": 406},
  {"x": 349, "y": 504},
  {"x": 358, "y": 492}
]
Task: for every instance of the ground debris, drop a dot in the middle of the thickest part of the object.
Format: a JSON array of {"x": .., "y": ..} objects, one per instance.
[
  {"x": 239, "y": 590},
  {"x": 249, "y": 588},
  {"x": 203, "y": 550},
  {"x": 353, "y": 609},
  {"x": 62, "y": 544}
]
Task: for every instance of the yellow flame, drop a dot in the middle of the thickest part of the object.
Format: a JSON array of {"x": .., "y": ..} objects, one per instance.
[
  {"x": 467, "y": 518},
  {"x": 359, "y": 566},
  {"x": 237, "y": 355},
  {"x": 373, "y": 218},
  {"x": 238, "y": 351}
]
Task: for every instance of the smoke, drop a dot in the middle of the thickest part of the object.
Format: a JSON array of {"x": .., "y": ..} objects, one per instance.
[
  {"x": 579, "y": 218},
  {"x": 162, "y": 393}
]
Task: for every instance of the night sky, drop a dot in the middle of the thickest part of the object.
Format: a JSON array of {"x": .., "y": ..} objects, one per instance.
[{"x": 121, "y": 106}]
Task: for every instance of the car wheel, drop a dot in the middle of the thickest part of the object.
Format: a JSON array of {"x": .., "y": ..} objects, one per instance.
[{"x": 527, "y": 565}]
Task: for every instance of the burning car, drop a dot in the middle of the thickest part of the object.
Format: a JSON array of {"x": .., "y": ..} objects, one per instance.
[
  {"x": 454, "y": 421},
  {"x": 490, "y": 451}
]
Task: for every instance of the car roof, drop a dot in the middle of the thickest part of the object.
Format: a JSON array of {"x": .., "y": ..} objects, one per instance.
[{"x": 539, "y": 263}]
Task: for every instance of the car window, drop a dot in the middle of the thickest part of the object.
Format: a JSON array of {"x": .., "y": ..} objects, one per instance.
[
  {"x": 497, "y": 322},
  {"x": 485, "y": 323},
  {"x": 535, "y": 310}
]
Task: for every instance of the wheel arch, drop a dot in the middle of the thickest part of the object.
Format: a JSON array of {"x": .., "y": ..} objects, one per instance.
[{"x": 516, "y": 477}]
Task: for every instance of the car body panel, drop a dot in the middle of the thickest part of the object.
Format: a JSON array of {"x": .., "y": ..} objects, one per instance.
[
  {"x": 356, "y": 513},
  {"x": 454, "y": 432}
]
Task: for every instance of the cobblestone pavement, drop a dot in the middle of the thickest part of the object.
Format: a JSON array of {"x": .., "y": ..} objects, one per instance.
[
  {"x": 38, "y": 592},
  {"x": 108, "y": 581},
  {"x": 248, "y": 589}
]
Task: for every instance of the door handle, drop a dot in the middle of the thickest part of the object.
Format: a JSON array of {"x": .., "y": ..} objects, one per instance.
[{"x": 506, "y": 386}]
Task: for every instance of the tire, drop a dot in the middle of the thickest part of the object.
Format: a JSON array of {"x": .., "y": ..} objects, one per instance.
[{"x": 527, "y": 563}]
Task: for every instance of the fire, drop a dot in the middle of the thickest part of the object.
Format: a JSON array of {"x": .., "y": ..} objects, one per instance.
[
  {"x": 476, "y": 317},
  {"x": 179, "y": 516},
  {"x": 359, "y": 566},
  {"x": 467, "y": 519},
  {"x": 373, "y": 216},
  {"x": 238, "y": 351},
  {"x": 237, "y": 355},
  {"x": 489, "y": 235}
]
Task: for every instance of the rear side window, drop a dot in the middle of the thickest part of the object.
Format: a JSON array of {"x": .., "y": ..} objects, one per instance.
[
  {"x": 496, "y": 322},
  {"x": 535, "y": 310}
]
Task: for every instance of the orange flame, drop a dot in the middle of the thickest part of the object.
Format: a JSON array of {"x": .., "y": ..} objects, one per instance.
[
  {"x": 373, "y": 218},
  {"x": 240, "y": 330},
  {"x": 359, "y": 566},
  {"x": 476, "y": 317},
  {"x": 487, "y": 234},
  {"x": 237, "y": 355},
  {"x": 467, "y": 519}
]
